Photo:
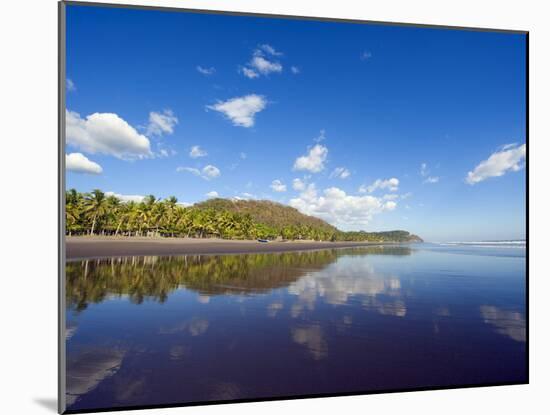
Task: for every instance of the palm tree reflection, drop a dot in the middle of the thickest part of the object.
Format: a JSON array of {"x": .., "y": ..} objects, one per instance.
[{"x": 152, "y": 277}]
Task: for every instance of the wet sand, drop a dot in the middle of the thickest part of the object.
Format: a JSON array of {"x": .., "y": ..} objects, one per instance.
[{"x": 99, "y": 247}]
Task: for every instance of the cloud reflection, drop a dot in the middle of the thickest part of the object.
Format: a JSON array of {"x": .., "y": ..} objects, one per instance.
[
  {"x": 508, "y": 323},
  {"x": 88, "y": 369},
  {"x": 340, "y": 282},
  {"x": 274, "y": 308},
  {"x": 195, "y": 327},
  {"x": 313, "y": 339}
]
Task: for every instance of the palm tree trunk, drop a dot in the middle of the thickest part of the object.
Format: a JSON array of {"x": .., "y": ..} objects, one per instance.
[
  {"x": 118, "y": 228},
  {"x": 93, "y": 225}
]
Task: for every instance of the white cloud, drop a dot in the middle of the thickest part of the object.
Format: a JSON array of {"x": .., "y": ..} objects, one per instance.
[
  {"x": 425, "y": 172},
  {"x": 197, "y": 152},
  {"x": 321, "y": 136},
  {"x": 248, "y": 195},
  {"x": 206, "y": 71},
  {"x": 249, "y": 73},
  {"x": 242, "y": 155},
  {"x": 295, "y": 70},
  {"x": 270, "y": 49},
  {"x": 211, "y": 171},
  {"x": 106, "y": 133},
  {"x": 340, "y": 172},
  {"x": 212, "y": 194},
  {"x": 509, "y": 158},
  {"x": 391, "y": 184},
  {"x": 241, "y": 110},
  {"x": 339, "y": 208},
  {"x": 278, "y": 186},
  {"x": 298, "y": 184},
  {"x": 432, "y": 179},
  {"x": 191, "y": 170},
  {"x": 265, "y": 66},
  {"x": 161, "y": 123},
  {"x": 207, "y": 172},
  {"x": 126, "y": 198},
  {"x": 262, "y": 63},
  {"x": 79, "y": 163},
  {"x": 70, "y": 85},
  {"x": 314, "y": 160}
]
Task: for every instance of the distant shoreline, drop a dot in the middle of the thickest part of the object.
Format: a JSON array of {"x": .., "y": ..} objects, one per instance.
[{"x": 90, "y": 247}]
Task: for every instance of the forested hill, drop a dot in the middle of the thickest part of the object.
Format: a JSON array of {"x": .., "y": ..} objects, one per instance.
[
  {"x": 267, "y": 212},
  {"x": 104, "y": 214},
  {"x": 292, "y": 224}
]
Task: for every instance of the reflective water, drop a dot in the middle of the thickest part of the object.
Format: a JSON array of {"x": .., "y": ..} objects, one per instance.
[{"x": 154, "y": 330}]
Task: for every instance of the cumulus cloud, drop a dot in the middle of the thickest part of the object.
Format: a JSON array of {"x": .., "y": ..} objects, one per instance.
[
  {"x": 265, "y": 67},
  {"x": 208, "y": 172},
  {"x": 126, "y": 198},
  {"x": 197, "y": 152},
  {"x": 278, "y": 186},
  {"x": 79, "y": 163},
  {"x": 390, "y": 184},
  {"x": 510, "y": 157},
  {"x": 270, "y": 49},
  {"x": 106, "y": 133},
  {"x": 298, "y": 184},
  {"x": 241, "y": 110},
  {"x": 206, "y": 71},
  {"x": 70, "y": 85},
  {"x": 161, "y": 123},
  {"x": 211, "y": 171},
  {"x": 340, "y": 172},
  {"x": 339, "y": 208},
  {"x": 295, "y": 70},
  {"x": 314, "y": 160},
  {"x": 249, "y": 73},
  {"x": 212, "y": 194},
  {"x": 262, "y": 62}
]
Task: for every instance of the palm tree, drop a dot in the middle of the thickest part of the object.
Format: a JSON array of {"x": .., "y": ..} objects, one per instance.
[
  {"x": 96, "y": 207},
  {"x": 171, "y": 209},
  {"x": 73, "y": 210}
]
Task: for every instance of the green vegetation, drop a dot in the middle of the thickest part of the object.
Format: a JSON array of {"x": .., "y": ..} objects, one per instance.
[{"x": 97, "y": 214}]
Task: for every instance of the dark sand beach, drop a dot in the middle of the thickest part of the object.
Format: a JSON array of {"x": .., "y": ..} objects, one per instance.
[{"x": 98, "y": 247}]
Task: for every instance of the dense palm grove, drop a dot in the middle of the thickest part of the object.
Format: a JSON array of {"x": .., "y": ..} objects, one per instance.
[{"x": 95, "y": 213}]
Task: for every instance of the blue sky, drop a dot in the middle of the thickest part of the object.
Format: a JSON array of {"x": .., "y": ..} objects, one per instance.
[{"x": 385, "y": 127}]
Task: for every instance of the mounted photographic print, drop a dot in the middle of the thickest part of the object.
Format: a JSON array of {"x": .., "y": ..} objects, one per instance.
[{"x": 259, "y": 207}]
